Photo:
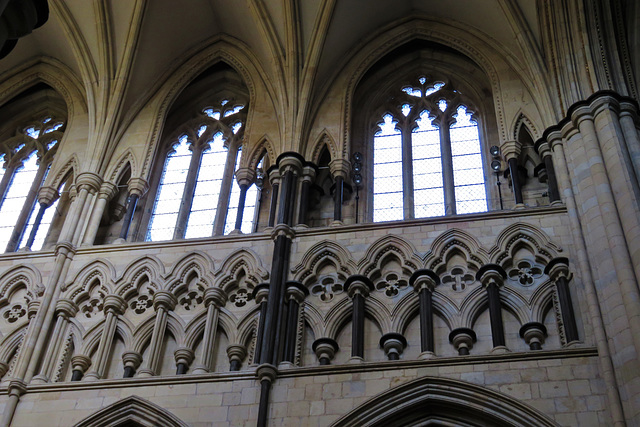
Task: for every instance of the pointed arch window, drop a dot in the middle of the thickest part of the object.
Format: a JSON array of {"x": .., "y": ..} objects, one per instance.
[
  {"x": 26, "y": 158},
  {"x": 196, "y": 194},
  {"x": 427, "y": 156}
]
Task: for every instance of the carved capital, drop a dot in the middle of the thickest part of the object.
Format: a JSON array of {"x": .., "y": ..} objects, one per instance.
[
  {"x": 165, "y": 300},
  {"x": 283, "y": 230},
  {"x": 491, "y": 274},
  {"x": 80, "y": 362},
  {"x": 108, "y": 190},
  {"x": 245, "y": 176},
  {"x": 510, "y": 149},
  {"x": 393, "y": 344},
  {"x": 297, "y": 291},
  {"x": 358, "y": 284},
  {"x": 581, "y": 114},
  {"x": 309, "y": 172},
  {"x": 266, "y": 372},
  {"x": 47, "y": 195},
  {"x": 184, "y": 355},
  {"x": 32, "y": 308},
  {"x": 131, "y": 359},
  {"x": 340, "y": 167},
  {"x": 462, "y": 340},
  {"x": 236, "y": 352},
  {"x": 533, "y": 334},
  {"x": 557, "y": 268},
  {"x": 274, "y": 175},
  {"x": 66, "y": 308},
  {"x": 260, "y": 293},
  {"x": 325, "y": 349},
  {"x": 115, "y": 304},
  {"x": 89, "y": 181},
  {"x": 215, "y": 296},
  {"x": 424, "y": 279},
  {"x": 137, "y": 186},
  {"x": 17, "y": 387},
  {"x": 290, "y": 161}
]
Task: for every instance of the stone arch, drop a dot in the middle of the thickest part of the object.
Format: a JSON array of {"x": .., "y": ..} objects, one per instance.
[
  {"x": 222, "y": 49},
  {"x": 194, "y": 263},
  {"x": 522, "y": 120},
  {"x": 147, "y": 266},
  {"x": 253, "y": 157},
  {"x": 132, "y": 410},
  {"x": 382, "y": 250},
  {"x": 78, "y": 288},
  {"x": 59, "y": 174},
  {"x": 241, "y": 260},
  {"x": 522, "y": 235},
  {"x": 455, "y": 242},
  {"x": 314, "y": 151},
  {"x": 445, "y": 399},
  {"x": 314, "y": 319},
  {"x": 142, "y": 334},
  {"x": 194, "y": 329},
  {"x": 542, "y": 301},
  {"x": 319, "y": 255},
  {"x": 10, "y": 343},
  {"x": 408, "y": 308},
  {"x": 176, "y": 327},
  {"x": 115, "y": 171},
  {"x": 19, "y": 275},
  {"x": 228, "y": 324}
]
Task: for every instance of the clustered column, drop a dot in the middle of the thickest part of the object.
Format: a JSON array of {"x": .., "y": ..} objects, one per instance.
[
  {"x": 214, "y": 299},
  {"x": 511, "y": 151},
  {"x": 309, "y": 172},
  {"x": 340, "y": 171},
  {"x": 492, "y": 278},
  {"x": 163, "y": 302},
  {"x": 114, "y": 305},
  {"x": 424, "y": 283},
  {"x": 358, "y": 287},
  {"x": 274, "y": 179},
  {"x": 107, "y": 192},
  {"x": 46, "y": 196},
  {"x": 137, "y": 187},
  {"x": 545, "y": 152},
  {"x": 558, "y": 271},
  {"x": 245, "y": 177},
  {"x": 296, "y": 293}
]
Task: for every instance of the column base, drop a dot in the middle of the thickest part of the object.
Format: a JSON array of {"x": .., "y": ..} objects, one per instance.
[
  {"x": 200, "y": 370},
  {"x": 573, "y": 344},
  {"x": 427, "y": 355},
  {"x": 145, "y": 373},
  {"x": 336, "y": 223},
  {"x": 355, "y": 360},
  {"x": 119, "y": 241},
  {"x": 519, "y": 206},
  {"x": 301, "y": 227},
  {"x": 557, "y": 203},
  {"x": 40, "y": 379},
  {"x": 234, "y": 232},
  {"x": 501, "y": 349},
  {"x": 285, "y": 365},
  {"x": 91, "y": 376}
]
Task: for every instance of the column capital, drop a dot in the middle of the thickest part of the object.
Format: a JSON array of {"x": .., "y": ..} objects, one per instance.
[
  {"x": 89, "y": 181},
  {"x": 533, "y": 334},
  {"x": 66, "y": 308},
  {"x": 114, "y": 303},
  {"x": 47, "y": 195},
  {"x": 297, "y": 291},
  {"x": 215, "y": 296},
  {"x": 17, "y": 387},
  {"x": 290, "y": 161},
  {"x": 309, "y": 172},
  {"x": 274, "y": 175},
  {"x": 491, "y": 274},
  {"x": 260, "y": 293},
  {"x": 184, "y": 355},
  {"x": 462, "y": 340},
  {"x": 557, "y": 268},
  {"x": 32, "y": 308},
  {"x": 393, "y": 344},
  {"x": 80, "y": 362},
  {"x": 132, "y": 359},
  {"x": 137, "y": 186},
  {"x": 164, "y": 299},
  {"x": 325, "y": 348},
  {"x": 236, "y": 352},
  {"x": 108, "y": 190},
  {"x": 424, "y": 279},
  {"x": 580, "y": 114},
  {"x": 340, "y": 167},
  {"x": 358, "y": 284},
  {"x": 267, "y": 372},
  {"x": 245, "y": 176},
  {"x": 283, "y": 230},
  {"x": 544, "y": 148},
  {"x": 510, "y": 149}
]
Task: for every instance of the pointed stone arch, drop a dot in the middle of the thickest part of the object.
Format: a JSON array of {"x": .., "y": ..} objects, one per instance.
[
  {"x": 320, "y": 254},
  {"x": 70, "y": 166},
  {"x": 242, "y": 260},
  {"x": 386, "y": 249},
  {"x": 443, "y": 399},
  {"x": 198, "y": 263},
  {"x": 115, "y": 172},
  {"x": 147, "y": 266},
  {"x": 19, "y": 275},
  {"x": 132, "y": 410},
  {"x": 522, "y": 235},
  {"x": 455, "y": 241},
  {"x": 78, "y": 288},
  {"x": 314, "y": 151},
  {"x": 264, "y": 146},
  {"x": 522, "y": 120}
]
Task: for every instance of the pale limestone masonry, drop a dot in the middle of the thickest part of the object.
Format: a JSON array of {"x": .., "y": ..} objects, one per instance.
[{"x": 526, "y": 314}]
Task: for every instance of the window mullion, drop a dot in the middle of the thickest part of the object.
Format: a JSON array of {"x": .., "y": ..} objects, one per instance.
[
  {"x": 27, "y": 207},
  {"x": 447, "y": 168},
  {"x": 189, "y": 188},
  {"x": 407, "y": 173},
  {"x": 225, "y": 190},
  {"x": 6, "y": 180}
]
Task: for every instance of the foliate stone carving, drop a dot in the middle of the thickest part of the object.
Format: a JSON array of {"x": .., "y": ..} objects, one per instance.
[
  {"x": 327, "y": 288},
  {"x": 458, "y": 279},
  {"x": 392, "y": 284},
  {"x": 15, "y": 312},
  {"x": 525, "y": 273}
]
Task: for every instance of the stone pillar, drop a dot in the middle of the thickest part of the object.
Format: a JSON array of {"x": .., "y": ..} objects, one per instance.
[
  {"x": 260, "y": 294},
  {"x": 325, "y": 349},
  {"x": 274, "y": 179},
  {"x": 393, "y": 344},
  {"x": 558, "y": 271},
  {"x": 447, "y": 167},
  {"x": 79, "y": 363},
  {"x": 340, "y": 171},
  {"x": 163, "y": 302},
  {"x": 107, "y": 192},
  {"x": 511, "y": 150},
  {"x": 189, "y": 188},
  {"x": 245, "y": 178},
  {"x": 308, "y": 176},
  {"x": 358, "y": 287},
  {"x": 137, "y": 188},
  {"x": 424, "y": 283},
  {"x": 236, "y": 354},
  {"x": 46, "y": 196},
  {"x": 87, "y": 184},
  {"x": 628, "y": 117},
  {"x": 214, "y": 299},
  {"x": 65, "y": 309},
  {"x": 114, "y": 305},
  {"x": 545, "y": 152},
  {"x": 533, "y": 334},
  {"x": 492, "y": 278},
  {"x": 296, "y": 293},
  {"x": 131, "y": 360},
  {"x": 462, "y": 340},
  {"x": 184, "y": 357}
]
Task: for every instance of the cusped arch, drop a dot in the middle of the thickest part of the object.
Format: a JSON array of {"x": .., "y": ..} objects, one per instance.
[
  {"x": 457, "y": 402},
  {"x": 451, "y": 242},
  {"x": 257, "y": 152},
  {"x": 21, "y": 275},
  {"x": 242, "y": 260},
  {"x": 132, "y": 410},
  {"x": 149, "y": 267},
  {"x": 9, "y": 345},
  {"x": 325, "y": 139},
  {"x": 326, "y": 251},
  {"x": 194, "y": 263},
  {"x": 78, "y": 288},
  {"x": 542, "y": 301},
  {"x": 60, "y": 173},
  {"x": 522, "y": 120},
  {"x": 386, "y": 249},
  {"x": 522, "y": 235},
  {"x": 115, "y": 170}
]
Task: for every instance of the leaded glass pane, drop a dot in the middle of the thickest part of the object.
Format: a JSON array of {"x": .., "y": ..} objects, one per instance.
[
  {"x": 468, "y": 174},
  {"x": 428, "y": 187},
  {"x": 234, "y": 200},
  {"x": 207, "y": 191},
  {"x": 387, "y": 172},
  {"x": 165, "y": 211}
]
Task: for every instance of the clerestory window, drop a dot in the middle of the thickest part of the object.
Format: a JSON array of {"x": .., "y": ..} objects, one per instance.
[
  {"x": 26, "y": 159},
  {"x": 426, "y": 157},
  {"x": 197, "y": 195}
]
